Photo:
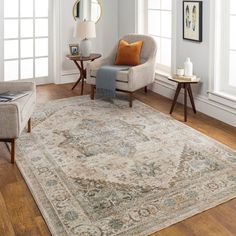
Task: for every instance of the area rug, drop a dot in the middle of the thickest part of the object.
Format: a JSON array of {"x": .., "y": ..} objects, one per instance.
[{"x": 101, "y": 169}]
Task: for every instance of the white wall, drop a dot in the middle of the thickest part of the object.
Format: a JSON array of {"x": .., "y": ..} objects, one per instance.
[
  {"x": 107, "y": 35},
  {"x": 198, "y": 52},
  {"x": 126, "y": 17}
]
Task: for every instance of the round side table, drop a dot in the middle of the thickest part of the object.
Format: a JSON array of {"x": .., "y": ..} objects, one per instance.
[
  {"x": 186, "y": 85},
  {"x": 79, "y": 62}
]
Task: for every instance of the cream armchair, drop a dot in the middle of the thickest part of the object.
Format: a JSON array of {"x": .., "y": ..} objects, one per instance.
[
  {"x": 136, "y": 77},
  {"x": 14, "y": 116}
]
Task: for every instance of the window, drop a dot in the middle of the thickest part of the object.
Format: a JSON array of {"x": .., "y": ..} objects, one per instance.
[
  {"x": 25, "y": 39},
  {"x": 224, "y": 53},
  {"x": 159, "y": 25}
]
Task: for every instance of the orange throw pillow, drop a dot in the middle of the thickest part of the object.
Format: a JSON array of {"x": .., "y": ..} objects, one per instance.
[{"x": 129, "y": 54}]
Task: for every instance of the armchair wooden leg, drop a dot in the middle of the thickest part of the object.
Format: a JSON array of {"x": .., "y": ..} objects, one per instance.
[
  {"x": 29, "y": 125},
  {"x": 92, "y": 92},
  {"x": 146, "y": 89},
  {"x": 130, "y": 99},
  {"x": 13, "y": 150}
]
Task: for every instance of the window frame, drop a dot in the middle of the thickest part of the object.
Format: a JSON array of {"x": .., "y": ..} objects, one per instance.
[
  {"x": 38, "y": 80},
  {"x": 228, "y": 87},
  {"x": 220, "y": 48}
]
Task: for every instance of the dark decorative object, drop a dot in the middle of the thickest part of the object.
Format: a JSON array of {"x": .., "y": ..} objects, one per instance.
[
  {"x": 77, "y": 10},
  {"x": 192, "y": 20}
]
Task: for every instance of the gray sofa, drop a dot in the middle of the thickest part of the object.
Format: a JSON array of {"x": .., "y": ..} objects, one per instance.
[{"x": 14, "y": 116}]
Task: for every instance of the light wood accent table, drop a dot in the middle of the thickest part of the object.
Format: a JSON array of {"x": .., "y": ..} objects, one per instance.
[{"x": 186, "y": 85}]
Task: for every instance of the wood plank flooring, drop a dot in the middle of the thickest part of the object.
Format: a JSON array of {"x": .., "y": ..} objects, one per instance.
[{"x": 19, "y": 214}]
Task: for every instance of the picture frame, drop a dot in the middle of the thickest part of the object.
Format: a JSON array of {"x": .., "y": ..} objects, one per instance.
[
  {"x": 74, "y": 49},
  {"x": 192, "y": 20}
]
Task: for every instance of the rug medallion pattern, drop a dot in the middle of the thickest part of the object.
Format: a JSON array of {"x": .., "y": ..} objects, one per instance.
[{"x": 102, "y": 169}]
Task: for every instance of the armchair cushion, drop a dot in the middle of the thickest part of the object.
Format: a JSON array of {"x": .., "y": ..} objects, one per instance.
[
  {"x": 129, "y": 53},
  {"x": 122, "y": 76}
]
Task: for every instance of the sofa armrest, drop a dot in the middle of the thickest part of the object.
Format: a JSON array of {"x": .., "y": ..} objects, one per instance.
[
  {"x": 141, "y": 75},
  {"x": 9, "y": 120},
  {"x": 17, "y": 86}
]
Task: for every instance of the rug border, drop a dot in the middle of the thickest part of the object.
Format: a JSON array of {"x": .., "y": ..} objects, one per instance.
[{"x": 36, "y": 199}]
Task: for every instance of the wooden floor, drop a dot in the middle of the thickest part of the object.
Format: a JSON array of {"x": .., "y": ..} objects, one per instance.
[{"x": 19, "y": 214}]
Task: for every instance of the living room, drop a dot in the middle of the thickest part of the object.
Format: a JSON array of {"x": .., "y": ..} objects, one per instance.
[{"x": 117, "y": 117}]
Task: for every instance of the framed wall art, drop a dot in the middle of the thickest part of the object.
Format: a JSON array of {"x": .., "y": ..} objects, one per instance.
[{"x": 192, "y": 20}]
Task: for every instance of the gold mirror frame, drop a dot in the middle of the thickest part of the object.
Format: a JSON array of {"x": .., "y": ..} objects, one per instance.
[{"x": 75, "y": 5}]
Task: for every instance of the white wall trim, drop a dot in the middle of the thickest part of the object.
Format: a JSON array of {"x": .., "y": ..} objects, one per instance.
[
  {"x": 69, "y": 72},
  {"x": 174, "y": 36},
  {"x": 1, "y": 42},
  {"x": 70, "y": 78},
  {"x": 50, "y": 41},
  {"x": 223, "y": 99},
  {"x": 203, "y": 104},
  {"x": 212, "y": 46},
  {"x": 218, "y": 72},
  {"x": 137, "y": 6},
  {"x": 57, "y": 41}
]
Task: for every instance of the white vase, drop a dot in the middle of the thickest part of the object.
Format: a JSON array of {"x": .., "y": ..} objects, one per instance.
[{"x": 188, "y": 67}]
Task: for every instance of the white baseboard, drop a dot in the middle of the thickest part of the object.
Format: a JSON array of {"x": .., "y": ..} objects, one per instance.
[
  {"x": 68, "y": 77},
  {"x": 203, "y": 104}
]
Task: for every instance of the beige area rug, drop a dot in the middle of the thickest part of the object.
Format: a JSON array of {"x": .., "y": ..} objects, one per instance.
[{"x": 102, "y": 169}]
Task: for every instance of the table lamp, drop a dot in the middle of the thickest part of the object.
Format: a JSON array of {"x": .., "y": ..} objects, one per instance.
[{"x": 85, "y": 30}]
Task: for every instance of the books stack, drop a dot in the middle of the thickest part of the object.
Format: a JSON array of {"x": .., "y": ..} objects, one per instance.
[
  {"x": 186, "y": 78},
  {"x": 12, "y": 96}
]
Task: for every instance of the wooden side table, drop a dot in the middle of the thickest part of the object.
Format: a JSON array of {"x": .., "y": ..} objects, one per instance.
[
  {"x": 79, "y": 62},
  {"x": 186, "y": 85}
]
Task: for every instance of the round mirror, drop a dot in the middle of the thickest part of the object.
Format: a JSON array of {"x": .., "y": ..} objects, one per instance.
[{"x": 89, "y": 10}]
